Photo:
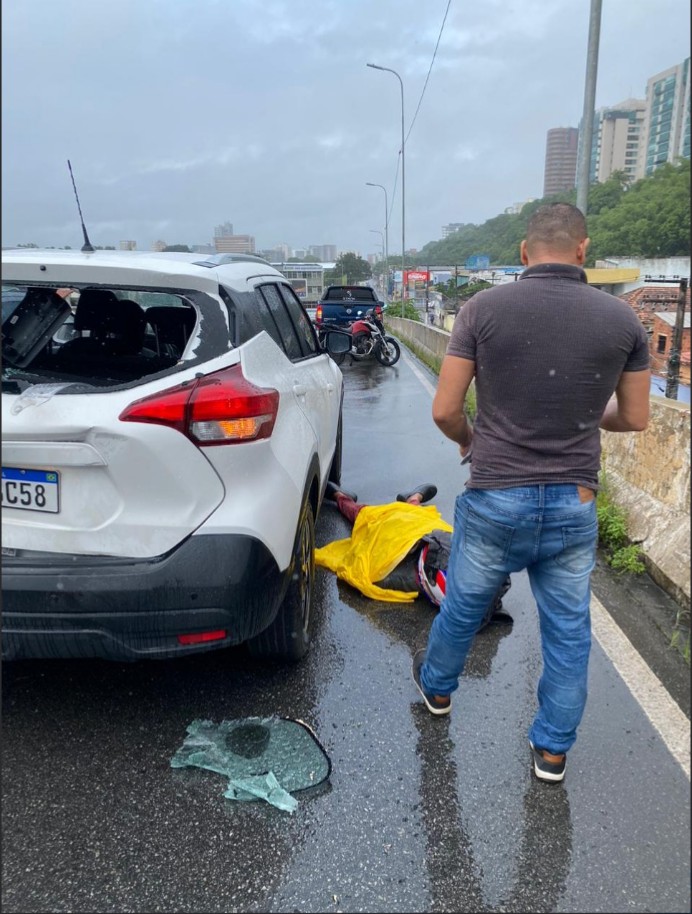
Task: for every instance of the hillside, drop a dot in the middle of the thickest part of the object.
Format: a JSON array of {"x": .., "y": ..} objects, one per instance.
[{"x": 648, "y": 218}]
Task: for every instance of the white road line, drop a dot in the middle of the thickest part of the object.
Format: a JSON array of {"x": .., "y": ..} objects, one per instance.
[
  {"x": 419, "y": 374},
  {"x": 648, "y": 691},
  {"x": 653, "y": 698}
]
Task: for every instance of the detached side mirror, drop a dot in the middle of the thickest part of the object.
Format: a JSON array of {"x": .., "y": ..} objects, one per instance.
[{"x": 336, "y": 341}]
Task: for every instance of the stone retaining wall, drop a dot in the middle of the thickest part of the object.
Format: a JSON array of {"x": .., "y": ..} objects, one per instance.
[{"x": 647, "y": 473}]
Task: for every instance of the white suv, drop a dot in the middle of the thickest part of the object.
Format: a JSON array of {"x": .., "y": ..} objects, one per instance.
[{"x": 170, "y": 423}]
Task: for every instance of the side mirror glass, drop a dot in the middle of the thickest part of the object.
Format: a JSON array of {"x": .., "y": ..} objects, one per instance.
[{"x": 336, "y": 341}]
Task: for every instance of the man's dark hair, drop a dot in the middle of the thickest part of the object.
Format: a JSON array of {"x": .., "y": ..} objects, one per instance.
[{"x": 556, "y": 226}]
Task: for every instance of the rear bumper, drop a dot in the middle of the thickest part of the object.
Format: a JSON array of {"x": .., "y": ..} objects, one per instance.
[{"x": 128, "y": 609}]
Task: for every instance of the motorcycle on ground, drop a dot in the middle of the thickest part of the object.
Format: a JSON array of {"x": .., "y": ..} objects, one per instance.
[{"x": 368, "y": 340}]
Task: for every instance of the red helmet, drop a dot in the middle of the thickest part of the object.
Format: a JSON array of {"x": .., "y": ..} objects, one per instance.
[{"x": 433, "y": 589}]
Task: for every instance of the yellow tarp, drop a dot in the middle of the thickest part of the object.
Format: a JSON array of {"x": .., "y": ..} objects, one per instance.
[{"x": 382, "y": 536}]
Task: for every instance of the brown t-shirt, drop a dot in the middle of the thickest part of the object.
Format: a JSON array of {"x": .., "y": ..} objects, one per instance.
[{"x": 549, "y": 351}]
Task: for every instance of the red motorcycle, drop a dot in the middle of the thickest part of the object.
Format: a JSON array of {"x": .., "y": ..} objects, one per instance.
[{"x": 369, "y": 339}]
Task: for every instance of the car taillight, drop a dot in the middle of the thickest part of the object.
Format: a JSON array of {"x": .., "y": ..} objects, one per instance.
[
  {"x": 318, "y": 314},
  {"x": 219, "y": 408}
]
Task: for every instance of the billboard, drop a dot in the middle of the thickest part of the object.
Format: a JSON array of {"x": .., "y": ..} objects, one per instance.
[
  {"x": 416, "y": 276},
  {"x": 478, "y": 262}
]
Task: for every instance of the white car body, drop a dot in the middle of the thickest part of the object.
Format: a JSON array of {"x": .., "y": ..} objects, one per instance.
[{"x": 134, "y": 492}]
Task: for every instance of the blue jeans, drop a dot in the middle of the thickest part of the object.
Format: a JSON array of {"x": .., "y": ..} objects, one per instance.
[{"x": 552, "y": 533}]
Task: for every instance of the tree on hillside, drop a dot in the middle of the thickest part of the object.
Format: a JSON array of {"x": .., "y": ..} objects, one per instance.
[
  {"x": 353, "y": 267},
  {"x": 648, "y": 218}
]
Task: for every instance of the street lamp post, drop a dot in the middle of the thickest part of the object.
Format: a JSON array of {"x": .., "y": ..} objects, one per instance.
[
  {"x": 378, "y": 232},
  {"x": 386, "y": 234},
  {"x": 403, "y": 182}
]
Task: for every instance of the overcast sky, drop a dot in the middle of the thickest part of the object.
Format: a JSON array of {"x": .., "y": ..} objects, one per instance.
[{"x": 179, "y": 115}]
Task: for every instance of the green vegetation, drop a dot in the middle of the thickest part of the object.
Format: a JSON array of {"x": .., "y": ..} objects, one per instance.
[
  {"x": 349, "y": 269},
  {"x": 622, "y": 555},
  {"x": 411, "y": 313},
  {"x": 648, "y": 218}
]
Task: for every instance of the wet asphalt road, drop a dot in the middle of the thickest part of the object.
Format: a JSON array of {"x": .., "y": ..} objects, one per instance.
[{"x": 419, "y": 815}]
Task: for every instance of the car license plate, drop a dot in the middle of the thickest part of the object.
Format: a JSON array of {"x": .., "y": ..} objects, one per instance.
[{"x": 31, "y": 490}]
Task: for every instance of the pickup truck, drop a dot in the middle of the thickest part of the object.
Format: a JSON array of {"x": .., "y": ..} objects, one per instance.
[{"x": 341, "y": 305}]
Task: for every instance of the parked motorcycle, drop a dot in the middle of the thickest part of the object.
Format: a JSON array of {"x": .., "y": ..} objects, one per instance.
[{"x": 368, "y": 339}]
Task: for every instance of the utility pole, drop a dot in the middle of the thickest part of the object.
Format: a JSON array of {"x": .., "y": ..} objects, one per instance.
[
  {"x": 403, "y": 180},
  {"x": 674, "y": 357},
  {"x": 586, "y": 132}
]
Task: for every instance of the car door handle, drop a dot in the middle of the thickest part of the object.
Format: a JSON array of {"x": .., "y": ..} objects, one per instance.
[{"x": 299, "y": 390}]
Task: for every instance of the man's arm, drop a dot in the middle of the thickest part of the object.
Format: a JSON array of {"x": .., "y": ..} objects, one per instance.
[
  {"x": 448, "y": 413},
  {"x": 628, "y": 409}
]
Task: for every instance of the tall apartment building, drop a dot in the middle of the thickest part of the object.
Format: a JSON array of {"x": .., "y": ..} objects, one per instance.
[
  {"x": 127, "y": 245},
  {"x": 667, "y": 127},
  {"x": 325, "y": 253},
  {"x": 617, "y": 144},
  {"x": 234, "y": 244},
  {"x": 560, "y": 160},
  {"x": 225, "y": 230},
  {"x": 450, "y": 229}
]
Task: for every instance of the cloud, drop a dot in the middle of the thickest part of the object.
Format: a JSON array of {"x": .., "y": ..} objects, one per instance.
[{"x": 180, "y": 114}]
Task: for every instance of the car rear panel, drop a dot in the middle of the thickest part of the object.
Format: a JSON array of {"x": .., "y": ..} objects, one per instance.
[{"x": 124, "y": 489}]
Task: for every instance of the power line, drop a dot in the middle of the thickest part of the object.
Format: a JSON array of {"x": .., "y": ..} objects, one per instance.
[{"x": 449, "y": 3}]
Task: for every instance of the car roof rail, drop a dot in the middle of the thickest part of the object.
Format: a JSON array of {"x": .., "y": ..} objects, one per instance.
[{"x": 217, "y": 260}]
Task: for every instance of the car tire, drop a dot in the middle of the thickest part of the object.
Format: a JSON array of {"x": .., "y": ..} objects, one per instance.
[
  {"x": 288, "y": 636},
  {"x": 335, "y": 468}
]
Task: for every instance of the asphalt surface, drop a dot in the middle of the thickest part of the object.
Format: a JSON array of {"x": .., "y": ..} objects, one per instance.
[{"x": 419, "y": 814}]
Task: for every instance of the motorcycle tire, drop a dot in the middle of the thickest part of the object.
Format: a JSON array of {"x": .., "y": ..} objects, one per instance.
[{"x": 389, "y": 353}]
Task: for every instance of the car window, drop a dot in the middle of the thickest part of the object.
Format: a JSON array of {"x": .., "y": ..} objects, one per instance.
[
  {"x": 341, "y": 293},
  {"x": 303, "y": 324},
  {"x": 287, "y": 336}
]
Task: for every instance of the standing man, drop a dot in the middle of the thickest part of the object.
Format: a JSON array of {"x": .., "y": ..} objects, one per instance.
[{"x": 547, "y": 352}]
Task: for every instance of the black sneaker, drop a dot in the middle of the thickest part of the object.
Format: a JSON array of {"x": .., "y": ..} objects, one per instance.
[
  {"x": 331, "y": 490},
  {"x": 547, "y": 771},
  {"x": 436, "y": 704},
  {"x": 427, "y": 491}
]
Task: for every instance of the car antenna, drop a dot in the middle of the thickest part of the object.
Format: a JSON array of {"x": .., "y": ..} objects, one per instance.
[{"x": 87, "y": 246}]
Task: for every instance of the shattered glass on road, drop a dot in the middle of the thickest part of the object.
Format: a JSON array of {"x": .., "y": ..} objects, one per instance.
[{"x": 263, "y": 758}]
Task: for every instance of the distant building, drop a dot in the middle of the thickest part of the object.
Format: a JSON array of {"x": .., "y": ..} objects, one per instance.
[
  {"x": 307, "y": 279},
  {"x": 667, "y": 125},
  {"x": 300, "y": 253},
  {"x": 202, "y": 248},
  {"x": 618, "y": 140},
  {"x": 224, "y": 230},
  {"x": 158, "y": 246},
  {"x": 450, "y": 229},
  {"x": 516, "y": 208},
  {"x": 560, "y": 160},
  {"x": 234, "y": 244},
  {"x": 127, "y": 245},
  {"x": 323, "y": 252},
  {"x": 661, "y": 341},
  {"x": 651, "y": 299}
]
